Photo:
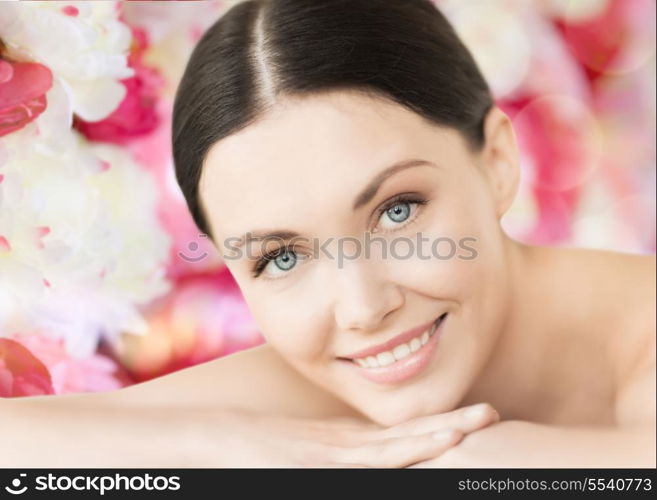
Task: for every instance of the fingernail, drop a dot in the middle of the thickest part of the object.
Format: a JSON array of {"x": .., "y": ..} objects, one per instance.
[
  {"x": 444, "y": 435},
  {"x": 476, "y": 412}
]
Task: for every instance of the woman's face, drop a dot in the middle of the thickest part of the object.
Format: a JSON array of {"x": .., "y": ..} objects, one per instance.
[{"x": 318, "y": 168}]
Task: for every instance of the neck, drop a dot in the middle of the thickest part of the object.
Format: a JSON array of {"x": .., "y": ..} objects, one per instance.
[{"x": 517, "y": 378}]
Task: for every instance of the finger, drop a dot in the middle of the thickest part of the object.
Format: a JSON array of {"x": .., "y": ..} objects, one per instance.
[
  {"x": 426, "y": 464},
  {"x": 339, "y": 431},
  {"x": 439, "y": 463},
  {"x": 398, "y": 451},
  {"x": 466, "y": 419},
  {"x": 353, "y": 423},
  {"x": 334, "y": 465}
]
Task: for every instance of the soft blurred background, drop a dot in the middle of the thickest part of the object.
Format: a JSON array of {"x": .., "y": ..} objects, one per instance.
[{"x": 104, "y": 279}]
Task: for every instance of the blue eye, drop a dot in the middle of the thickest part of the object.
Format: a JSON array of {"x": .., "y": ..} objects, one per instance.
[
  {"x": 399, "y": 210},
  {"x": 282, "y": 259},
  {"x": 285, "y": 261}
]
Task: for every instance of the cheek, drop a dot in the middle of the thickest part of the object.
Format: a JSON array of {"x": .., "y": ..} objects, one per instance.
[
  {"x": 461, "y": 262},
  {"x": 449, "y": 256},
  {"x": 291, "y": 325}
]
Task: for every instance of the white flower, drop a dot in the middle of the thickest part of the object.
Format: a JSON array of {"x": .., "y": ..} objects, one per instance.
[
  {"x": 88, "y": 51},
  {"x": 81, "y": 245},
  {"x": 495, "y": 34}
]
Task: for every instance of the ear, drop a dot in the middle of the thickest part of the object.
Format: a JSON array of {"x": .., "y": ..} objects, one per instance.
[{"x": 500, "y": 159}]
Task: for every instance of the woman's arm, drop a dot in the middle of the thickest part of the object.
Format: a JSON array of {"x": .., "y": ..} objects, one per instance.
[
  {"x": 94, "y": 430},
  {"x": 514, "y": 443},
  {"x": 240, "y": 411},
  {"x": 155, "y": 423},
  {"x": 255, "y": 379},
  {"x": 91, "y": 430}
]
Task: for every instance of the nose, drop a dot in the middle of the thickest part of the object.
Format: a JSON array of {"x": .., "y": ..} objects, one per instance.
[{"x": 364, "y": 297}]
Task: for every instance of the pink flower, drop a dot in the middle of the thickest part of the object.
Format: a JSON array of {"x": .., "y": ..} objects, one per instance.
[
  {"x": 554, "y": 133},
  {"x": 190, "y": 252},
  {"x": 137, "y": 114},
  {"x": 22, "y": 373},
  {"x": 95, "y": 373},
  {"x": 203, "y": 318},
  {"x": 616, "y": 40},
  {"x": 23, "y": 88}
]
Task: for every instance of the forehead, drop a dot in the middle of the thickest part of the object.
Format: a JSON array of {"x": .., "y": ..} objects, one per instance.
[{"x": 306, "y": 156}]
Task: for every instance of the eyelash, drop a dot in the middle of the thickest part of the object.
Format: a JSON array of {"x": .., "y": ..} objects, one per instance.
[
  {"x": 267, "y": 258},
  {"x": 401, "y": 198},
  {"x": 411, "y": 199}
]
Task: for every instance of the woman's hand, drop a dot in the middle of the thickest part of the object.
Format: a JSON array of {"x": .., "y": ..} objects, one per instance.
[
  {"x": 94, "y": 430},
  {"x": 249, "y": 439},
  {"x": 522, "y": 444}
]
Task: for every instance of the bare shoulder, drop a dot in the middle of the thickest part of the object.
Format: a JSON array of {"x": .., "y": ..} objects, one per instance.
[
  {"x": 625, "y": 287},
  {"x": 617, "y": 264},
  {"x": 630, "y": 283},
  {"x": 622, "y": 281},
  {"x": 255, "y": 379},
  {"x": 614, "y": 294}
]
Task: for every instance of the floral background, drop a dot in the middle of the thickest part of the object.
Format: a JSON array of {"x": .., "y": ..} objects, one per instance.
[{"x": 104, "y": 279}]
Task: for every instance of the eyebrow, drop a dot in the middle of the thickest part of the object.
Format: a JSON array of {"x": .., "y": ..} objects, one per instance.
[
  {"x": 372, "y": 188},
  {"x": 363, "y": 198}
]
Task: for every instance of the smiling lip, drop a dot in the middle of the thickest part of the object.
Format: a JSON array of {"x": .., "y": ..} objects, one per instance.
[
  {"x": 392, "y": 343},
  {"x": 405, "y": 368}
]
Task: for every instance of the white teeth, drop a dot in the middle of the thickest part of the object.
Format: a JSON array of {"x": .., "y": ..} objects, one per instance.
[
  {"x": 385, "y": 358},
  {"x": 400, "y": 352},
  {"x": 371, "y": 362}
]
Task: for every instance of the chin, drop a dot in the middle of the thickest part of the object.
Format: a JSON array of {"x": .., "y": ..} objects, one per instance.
[
  {"x": 397, "y": 412},
  {"x": 385, "y": 418},
  {"x": 430, "y": 398}
]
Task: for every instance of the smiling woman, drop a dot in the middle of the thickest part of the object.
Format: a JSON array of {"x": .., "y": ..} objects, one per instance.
[
  {"x": 333, "y": 121},
  {"x": 349, "y": 162},
  {"x": 315, "y": 310}
]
